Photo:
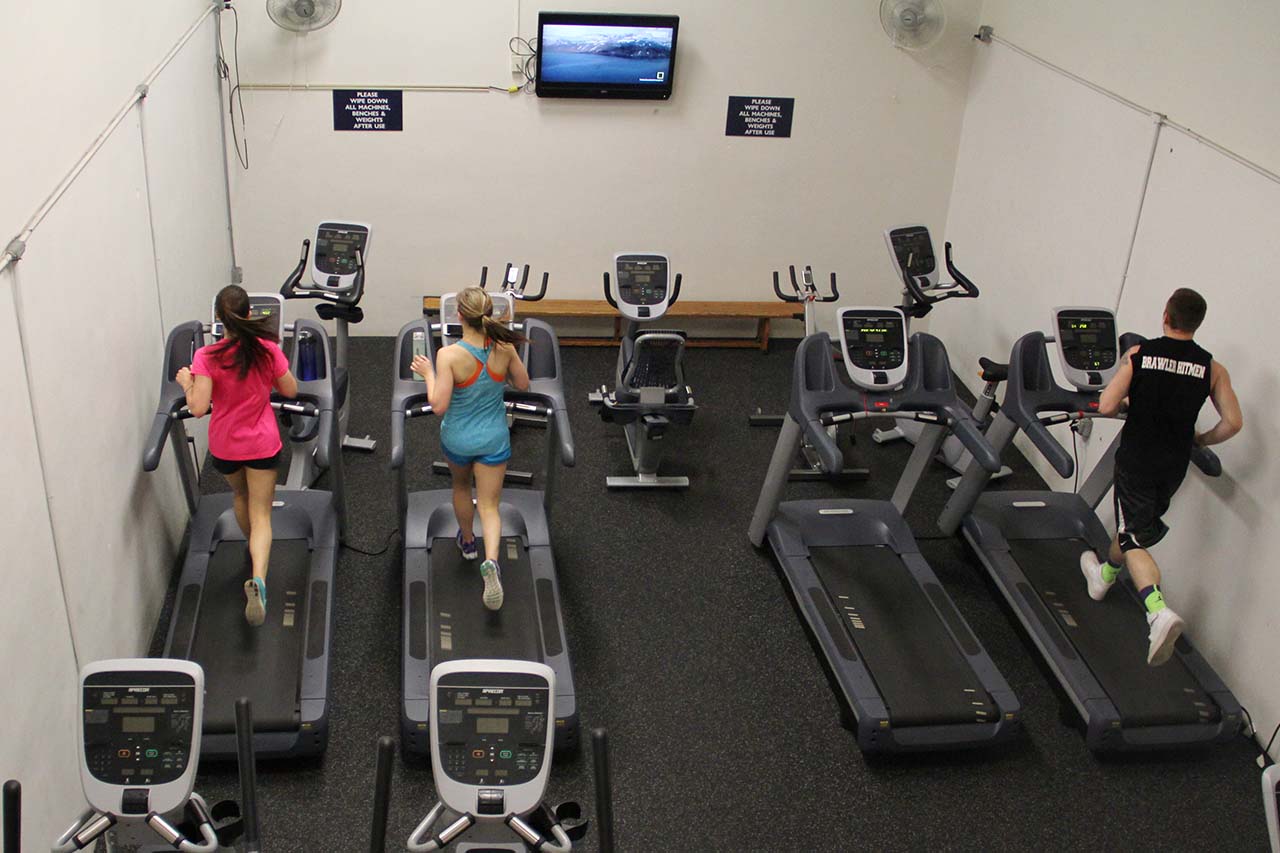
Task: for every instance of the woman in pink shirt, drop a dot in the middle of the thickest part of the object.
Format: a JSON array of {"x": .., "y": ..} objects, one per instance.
[{"x": 236, "y": 375}]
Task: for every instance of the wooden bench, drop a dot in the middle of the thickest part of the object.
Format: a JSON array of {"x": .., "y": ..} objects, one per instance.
[{"x": 762, "y": 312}]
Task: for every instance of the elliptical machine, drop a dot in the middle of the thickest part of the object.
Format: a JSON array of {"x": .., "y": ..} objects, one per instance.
[
  {"x": 808, "y": 463},
  {"x": 337, "y": 279},
  {"x": 912, "y": 251},
  {"x": 649, "y": 393},
  {"x": 491, "y": 751},
  {"x": 139, "y": 739}
]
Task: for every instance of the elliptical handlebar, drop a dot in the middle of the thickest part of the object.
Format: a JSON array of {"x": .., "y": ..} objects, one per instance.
[
  {"x": 970, "y": 289},
  {"x": 287, "y": 290},
  {"x": 608, "y": 294},
  {"x": 357, "y": 287},
  {"x": 675, "y": 292}
]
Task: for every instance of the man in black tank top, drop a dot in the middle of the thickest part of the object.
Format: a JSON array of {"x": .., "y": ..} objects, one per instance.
[{"x": 1164, "y": 383}]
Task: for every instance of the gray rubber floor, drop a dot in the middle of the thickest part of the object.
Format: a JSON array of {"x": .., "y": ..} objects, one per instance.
[{"x": 686, "y": 647}]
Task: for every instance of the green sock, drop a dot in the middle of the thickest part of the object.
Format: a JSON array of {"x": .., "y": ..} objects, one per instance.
[
  {"x": 1153, "y": 599},
  {"x": 1110, "y": 572}
]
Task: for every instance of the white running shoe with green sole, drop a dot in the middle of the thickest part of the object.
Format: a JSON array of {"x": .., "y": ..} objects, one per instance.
[
  {"x": 492, "y": 575},
  {"x": 1166, "y": 627},
  {"x": 255, "y": 595}
]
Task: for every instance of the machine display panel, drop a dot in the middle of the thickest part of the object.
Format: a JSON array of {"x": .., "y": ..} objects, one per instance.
[
  {"x": 138, "y": 726},
  {"x": 913, "y": 250},
  {"x": 642, "y": 280},
  {"x": 875, "y": 341},
  {"x": 336, "y": 247},
  {"x": 493, "y": 734},
  {"x": 1088, "y": 339}
]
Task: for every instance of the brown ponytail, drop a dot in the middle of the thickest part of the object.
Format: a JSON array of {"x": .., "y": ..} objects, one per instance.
[
  {"x": 232, "y": 310},
  {"x": 475, "y": 308}
]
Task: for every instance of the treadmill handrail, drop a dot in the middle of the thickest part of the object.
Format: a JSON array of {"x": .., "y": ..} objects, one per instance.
[
  {"x": 816, "y": 394},
  {"x": 410, "y": 392},
  {"x": 180, "y": 346},
  {"x": 1032, "y": 389}
]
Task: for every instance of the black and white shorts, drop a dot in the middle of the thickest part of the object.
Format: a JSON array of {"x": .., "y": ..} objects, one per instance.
[{"x": 1139, "y": 507}]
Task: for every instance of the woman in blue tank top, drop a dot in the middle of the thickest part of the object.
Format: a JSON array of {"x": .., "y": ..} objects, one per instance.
[{"x": 465, "y": 388}]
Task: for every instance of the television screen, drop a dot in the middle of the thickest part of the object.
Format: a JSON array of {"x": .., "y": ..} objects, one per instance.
[{"x": 606, "y": 56}]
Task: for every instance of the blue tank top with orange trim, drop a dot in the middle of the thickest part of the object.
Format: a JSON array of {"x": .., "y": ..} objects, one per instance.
[{"x": 476, "y": 421}]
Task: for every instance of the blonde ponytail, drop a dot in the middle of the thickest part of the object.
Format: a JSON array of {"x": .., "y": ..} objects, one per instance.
[{"x": 475, "y": 308}]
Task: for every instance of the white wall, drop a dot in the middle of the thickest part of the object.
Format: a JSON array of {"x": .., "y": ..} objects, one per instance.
[
  {"x": 1211, "y": 224},
  {"x": 1047, "y": 188},
  {"x": 38, "y": 703},
  {"x": 138, "y": 242},
  {"x": 486, "y": 178},
  {"x": 68, "y": 66},
  {"x": 1212, "y": 67}
]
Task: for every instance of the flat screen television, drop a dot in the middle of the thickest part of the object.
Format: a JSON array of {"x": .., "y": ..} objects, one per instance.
[{"x": 584, "y": 55}]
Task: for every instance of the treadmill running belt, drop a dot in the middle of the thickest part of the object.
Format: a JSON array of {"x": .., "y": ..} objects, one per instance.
[
  {"x": 1111, "y": 638},
  {"x": 263, "y": 663},
  {"x": 463, "y": 627},
  {"x": 921, "y": 675}
]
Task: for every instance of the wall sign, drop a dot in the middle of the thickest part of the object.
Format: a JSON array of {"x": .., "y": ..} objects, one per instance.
[
  {"x": 368, "y": 109},
  {"x": 759, "y": 116}
]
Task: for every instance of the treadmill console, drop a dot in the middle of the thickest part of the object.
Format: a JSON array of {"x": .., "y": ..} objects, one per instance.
[
  {"x": 874, "y": 344},
  {"x": 333, "y": 261},
  {"x": 1088, "y": 345},
  {"x": 504, "y": 311},
  {"x": 260, "y": 305},
  {"x": 492, "y": 727},
  {"x": 643, "y": 284},
  {"x": 912, "y": 252},
  {"x": 139, "y": 733}
]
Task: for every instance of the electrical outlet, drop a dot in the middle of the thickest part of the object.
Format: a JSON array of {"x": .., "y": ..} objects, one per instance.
[{"x": 517, "y": 63}]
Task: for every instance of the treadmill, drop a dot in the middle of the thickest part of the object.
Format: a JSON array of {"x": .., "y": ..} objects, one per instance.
[
  {"x": 443, "y": 616},
  {"x": 282, "y": 666},
  {"x": 1030, "y": 543},
  {"x": 911, "y": 675}
]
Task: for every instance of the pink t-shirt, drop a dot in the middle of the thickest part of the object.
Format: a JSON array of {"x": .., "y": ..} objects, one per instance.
[{"x": 243, "y": 424}]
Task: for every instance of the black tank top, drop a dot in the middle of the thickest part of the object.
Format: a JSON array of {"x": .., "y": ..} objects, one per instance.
[{"x": 1170, "y": 384}]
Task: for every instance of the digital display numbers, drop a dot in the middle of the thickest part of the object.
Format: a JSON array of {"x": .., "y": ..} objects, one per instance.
[
  {"x": 492, "y": 725},
  {"x": 138, "y": 724},
  {"x": 1088, "y": 339}
]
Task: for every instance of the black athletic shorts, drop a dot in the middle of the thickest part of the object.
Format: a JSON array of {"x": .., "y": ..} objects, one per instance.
[
  {"x": 227, "y": 467},
  {"x": 1139, "y": 507}
]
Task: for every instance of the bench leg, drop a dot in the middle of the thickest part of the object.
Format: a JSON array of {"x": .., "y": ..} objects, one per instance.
[{"x": 762, "y": 334}]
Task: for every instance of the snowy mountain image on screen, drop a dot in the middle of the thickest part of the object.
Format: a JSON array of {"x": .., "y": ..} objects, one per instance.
[{"x": 581, "y": 54}]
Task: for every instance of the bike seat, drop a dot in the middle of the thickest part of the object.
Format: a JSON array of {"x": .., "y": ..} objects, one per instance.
[{"x": 993, "y": 371}]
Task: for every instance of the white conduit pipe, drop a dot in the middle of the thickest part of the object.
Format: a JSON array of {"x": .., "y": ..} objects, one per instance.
[{"x": 18, "y": 245}]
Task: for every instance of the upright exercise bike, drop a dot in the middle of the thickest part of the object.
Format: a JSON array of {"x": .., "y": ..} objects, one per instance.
[
  {"x": 336, "y": 279},
  {"x": 808, "y": 464},
  {"x": 649, "y": 393},
  {"x": 912, "y": 251}
]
